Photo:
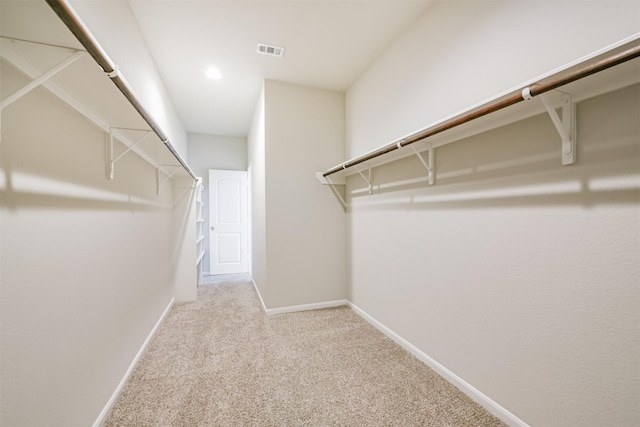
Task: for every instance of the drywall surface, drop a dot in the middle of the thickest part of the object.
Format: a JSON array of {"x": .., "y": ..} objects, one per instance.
[
  {"x": 516, "y": 273},
  {"x": 112, "y": 23},
  {"x": 214, "y": 152},
  {"x": 86, "y": 263},
  {"x": 460, "y": 53},
  {"x": 257, "y": 197},
  {"x": 305, "y": 225}
]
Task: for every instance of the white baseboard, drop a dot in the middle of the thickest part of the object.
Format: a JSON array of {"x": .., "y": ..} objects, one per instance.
[
  {"x": 105, "y": 411},
  {"x": 493, "y": 407},
  {"x": 264, "y": 307},
  {"x": 484, "y": 400},
  {"x": 305, "y": 307},
  {"x": 294, "y": 308}
]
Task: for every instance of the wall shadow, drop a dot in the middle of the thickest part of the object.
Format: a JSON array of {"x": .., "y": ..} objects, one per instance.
[{"x": 520, "y": 165}]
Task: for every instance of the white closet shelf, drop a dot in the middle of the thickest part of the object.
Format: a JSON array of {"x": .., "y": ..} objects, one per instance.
[
  {"x": 199, "y": 229},
  {"x": 70, "y": 18},
  {"x": 607, "y": 70},
  {"x": 200, "y": 258},
  {"x": 103, "y": 106},
  {"x": 66, "y": 70}
]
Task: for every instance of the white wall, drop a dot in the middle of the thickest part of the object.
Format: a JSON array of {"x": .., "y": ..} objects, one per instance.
[
  {"x": 460, "y": 53},
  {"x": 298, "y": 229},
  {"x": 305, "y": 227},
  {"x": 518, "y": 274},
  {"x": 258, "y": 200},
  {"x": 86, "y": 264},
  {"x": 214, "y": 152},
  {"x": 114, "y": 26}
]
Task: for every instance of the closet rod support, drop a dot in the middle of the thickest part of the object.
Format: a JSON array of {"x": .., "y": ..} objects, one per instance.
[
  {"x": 168, "y": 177},
  {"x": 115, "y": 73},
  {"x": 41, "y": 79},
  {"x": 428, "y": 165},
  {"x": 565, "y": 125},
  {"x": 111, "y": 161},
  {"x": 131, "y": 147},
  {"x": 367, "y": 180},
  {"x": 336, "y": 192}
]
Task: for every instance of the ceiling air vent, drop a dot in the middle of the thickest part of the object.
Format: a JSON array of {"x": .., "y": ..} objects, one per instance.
[{"x": 270, "y": 50}]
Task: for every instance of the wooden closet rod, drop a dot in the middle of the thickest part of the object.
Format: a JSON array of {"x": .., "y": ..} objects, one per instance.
[
  {"x": 71, "y": 19},
  {"x": 629, "y": 51}
]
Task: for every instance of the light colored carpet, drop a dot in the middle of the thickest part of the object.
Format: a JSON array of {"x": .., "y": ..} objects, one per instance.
[
  {"x": 220, "y": 361},
  {"x": 218, "y": 279}
]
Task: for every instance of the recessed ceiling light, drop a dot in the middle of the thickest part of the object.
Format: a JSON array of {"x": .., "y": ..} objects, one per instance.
[{"x": 213, "y": 73}]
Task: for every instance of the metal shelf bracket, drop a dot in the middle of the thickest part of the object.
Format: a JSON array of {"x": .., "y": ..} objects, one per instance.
[
  {"x": 428, "y": 164},
  {"x": 111, "y": 161},
  {"x": 566, "y": 126}
]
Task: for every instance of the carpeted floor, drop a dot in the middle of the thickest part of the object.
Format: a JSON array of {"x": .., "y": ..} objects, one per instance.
[{"x": 220, "y": 361}]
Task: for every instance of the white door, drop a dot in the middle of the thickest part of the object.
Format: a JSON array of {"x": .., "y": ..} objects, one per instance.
[{"x": 228, "y": 221}]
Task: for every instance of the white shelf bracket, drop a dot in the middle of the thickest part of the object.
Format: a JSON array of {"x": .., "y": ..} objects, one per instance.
[
  {"x": 111, "y": 162},
  {"x": 336, "y": 180},
  {"x": 566, "y": 126},
  {"x": 428, "y": 164},
  {"x": 340, "y": 180},
  {"x": 336, "y": 192},
  {"x": 367, "y": 180},
  {"x": 40, "y": 80},
  {"x": 168, "y": 176}
]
